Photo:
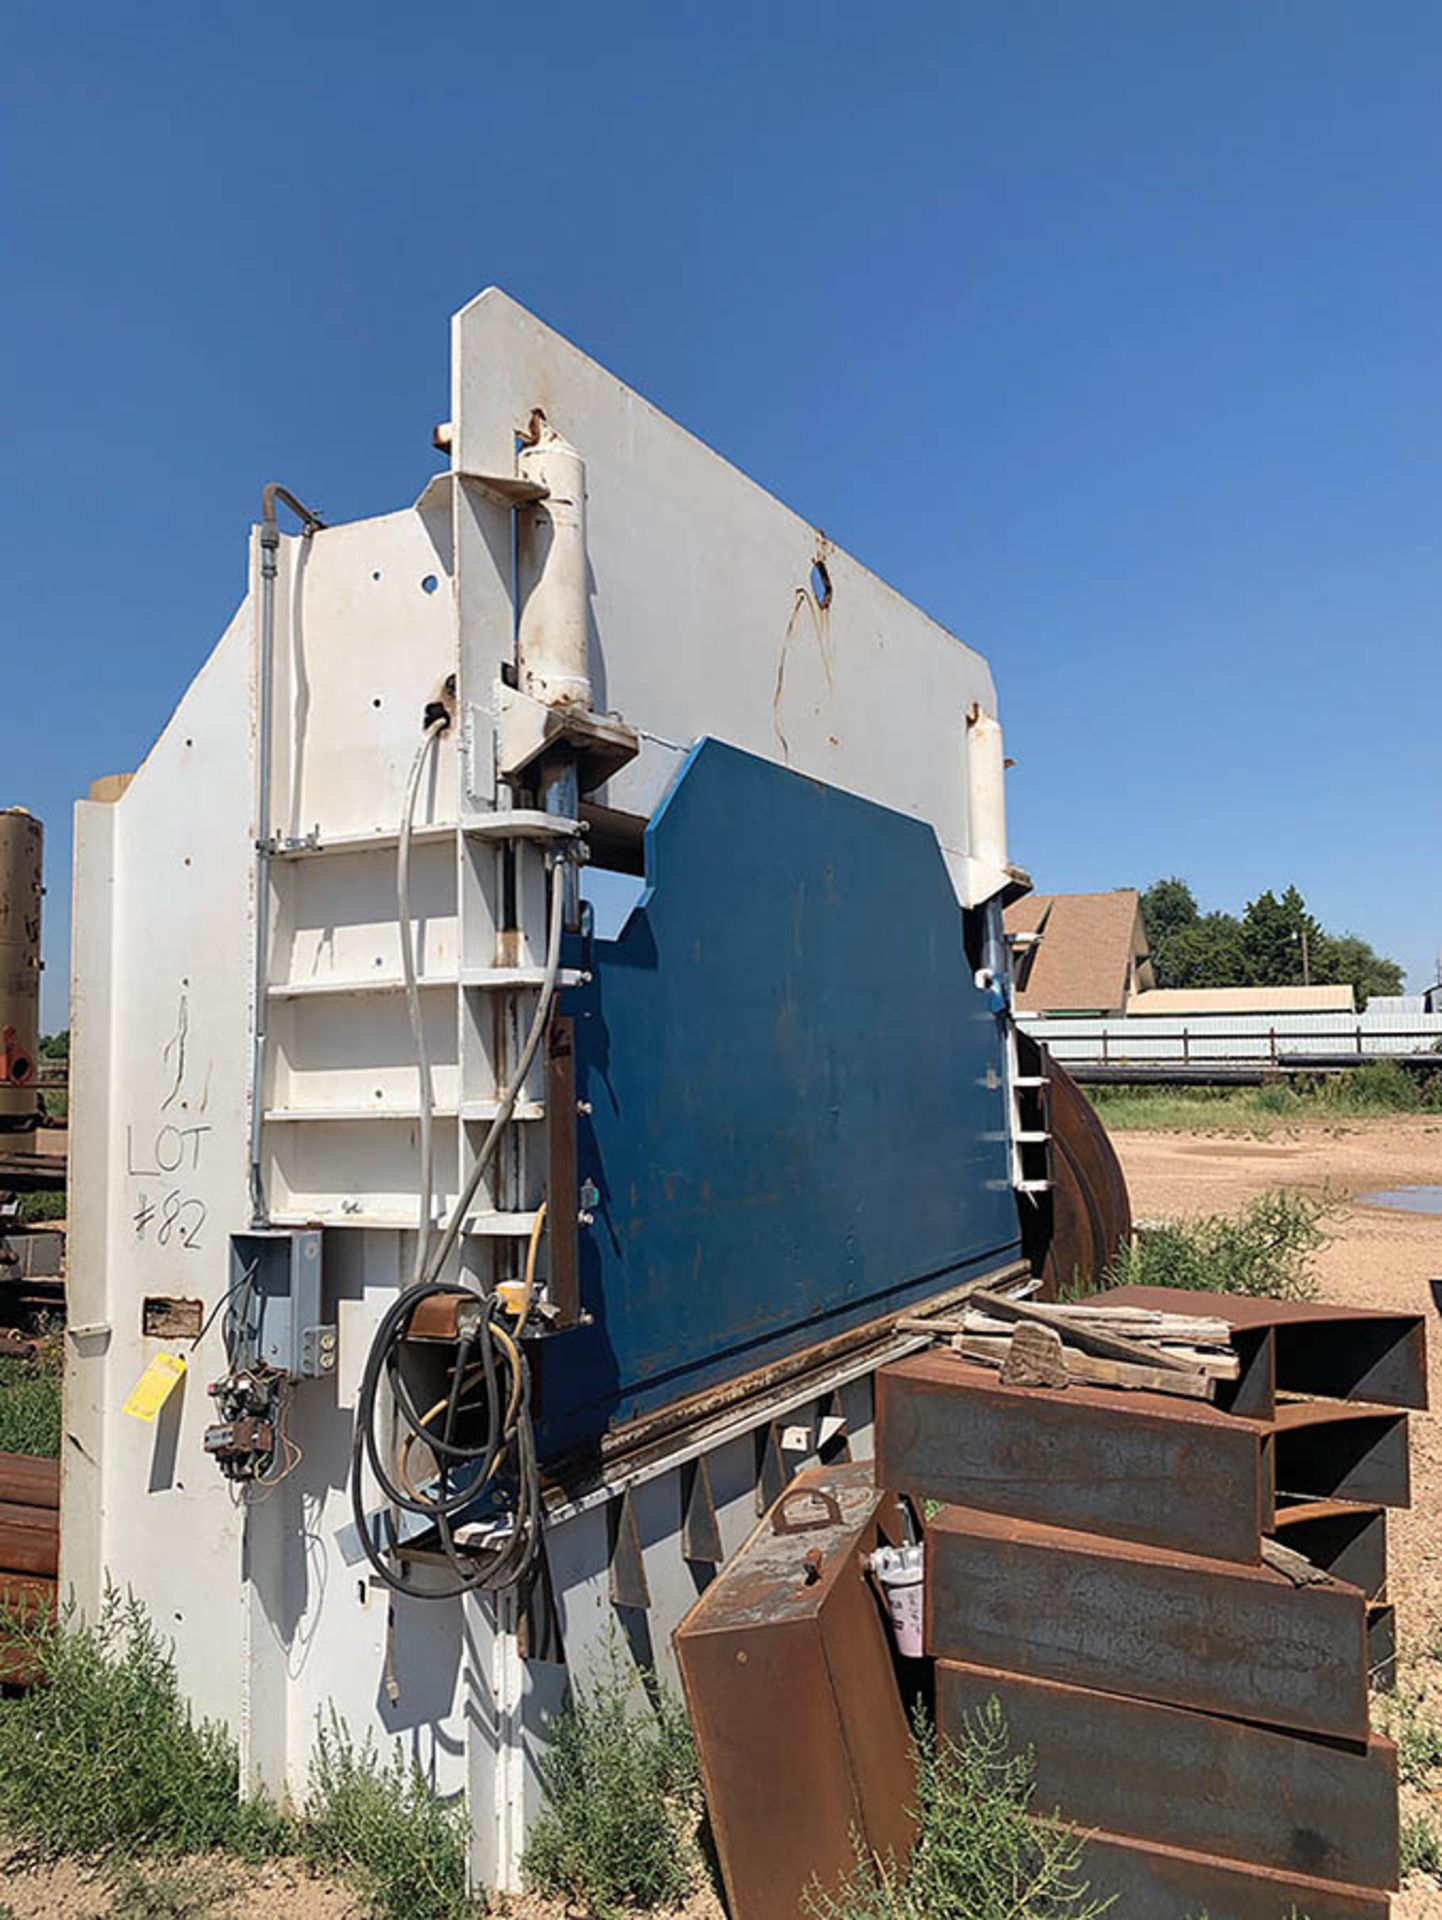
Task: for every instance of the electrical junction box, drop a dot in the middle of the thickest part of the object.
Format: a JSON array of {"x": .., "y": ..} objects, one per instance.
[{"x": 275, "y": 1303}]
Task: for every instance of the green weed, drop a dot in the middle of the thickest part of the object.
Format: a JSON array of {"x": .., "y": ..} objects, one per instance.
[
  {"x": 1265, "y": 1250},
  {"x": 1406, "y": 1715},
  {"x": 623, "y": 1800},
  {"x": 1421, "y": 1845},
  {"x": 30, "y": 1405},
  {"x": 979, "y": 1853},
  {"x": 105, "y": 1757},
  {"x": 382, "y": 1827}
]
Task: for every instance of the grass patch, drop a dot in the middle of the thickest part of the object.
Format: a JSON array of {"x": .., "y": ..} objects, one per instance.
[
  {"x": 623, "y": 1800},
  {"x": 1406, "y": 1716},
  {"x": 1421, "y": 1845},
  {"x": 30, "y": 1403},
  {"x": 1376, "y": 1088},
  {"x": 1266, "y": 1250},
  {"x": 106, "y": 1757},
  {"x": 380, "y": 1825},
  {"x": 37, "y": 1208},
  {"x": 979, "y": 1853}
]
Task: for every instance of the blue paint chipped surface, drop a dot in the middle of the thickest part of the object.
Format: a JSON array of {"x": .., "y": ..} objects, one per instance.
[{"x": 797, "y": 1106}]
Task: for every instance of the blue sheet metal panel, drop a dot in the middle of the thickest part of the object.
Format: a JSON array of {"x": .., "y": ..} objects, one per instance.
[{"x": 797, "y": 1104}]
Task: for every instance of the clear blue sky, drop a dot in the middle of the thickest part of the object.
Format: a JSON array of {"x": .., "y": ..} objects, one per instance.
[{"x": 1109, "y": 332}]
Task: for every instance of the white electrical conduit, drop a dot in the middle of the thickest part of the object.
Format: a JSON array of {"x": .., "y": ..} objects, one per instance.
[{"x": 413, "y": 998}]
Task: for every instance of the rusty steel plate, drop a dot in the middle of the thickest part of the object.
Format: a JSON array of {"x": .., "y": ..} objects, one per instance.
[
  {"x": 1164, "y": 1883},
  {"x": 1143, "y": 1621},
  {"x": 1340, "y": 1353},
  {"x": 1325, "y": 1808},
  {"x": 1139, "y": 1466}
]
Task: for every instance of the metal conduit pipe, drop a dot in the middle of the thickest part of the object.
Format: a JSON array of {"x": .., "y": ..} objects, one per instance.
[{"x": 269, "y": 547}]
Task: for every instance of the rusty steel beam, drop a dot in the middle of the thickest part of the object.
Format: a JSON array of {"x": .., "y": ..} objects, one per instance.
[
  {"x": 1286, "y": 1801},
  {"x": 30, "y": 1540},
  {"x": 28, "y": 1481},
  {"x": 1164, "y": 1883},
  {"x": 1341, "y": 1452},
  {"x": 1139, "y": 1466},
  {"x": 1171, "y": 1627},
  {"x": 1347, "y": 1541},
  {"x": 1340, "y": 1353}
]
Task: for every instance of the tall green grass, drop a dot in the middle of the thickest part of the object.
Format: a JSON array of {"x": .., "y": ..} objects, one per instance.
[{"x": 1375, "y": 1089}]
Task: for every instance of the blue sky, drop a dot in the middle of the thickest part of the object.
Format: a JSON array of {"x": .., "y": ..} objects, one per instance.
[{"x": 1108, "y": 332}]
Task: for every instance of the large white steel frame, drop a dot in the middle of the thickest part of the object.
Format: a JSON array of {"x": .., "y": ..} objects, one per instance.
[{"x": 706, "y": 617}]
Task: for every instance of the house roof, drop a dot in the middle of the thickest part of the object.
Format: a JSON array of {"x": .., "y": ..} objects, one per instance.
[
  {"x": 1182, "y": 1000},
  {"x": 1088, "y": 941}
]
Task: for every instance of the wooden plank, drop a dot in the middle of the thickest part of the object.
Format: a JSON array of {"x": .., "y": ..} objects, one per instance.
[
  {"x": 1176, "y": 1628},
  {"x": 1107, "y": 1346},
  {"x": 991, "y": 1352},
  {"x": 1147, "y": 1468},
  {"x": 27, "y": 1481},
  {"x": 1161, "y": 1882},
  {"x": 1324, "y": 1808}
]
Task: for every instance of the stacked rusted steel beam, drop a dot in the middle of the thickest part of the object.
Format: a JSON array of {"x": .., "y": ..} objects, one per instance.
[
  {"x": 29, "y": 1554},
  {"x": 1180, "y": 1604}
]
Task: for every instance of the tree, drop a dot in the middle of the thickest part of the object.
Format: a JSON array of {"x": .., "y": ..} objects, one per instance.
[
  {"x": 1276, "y": 943},
  {"x": 1212, "y": 953},
  {"x": 1347, "y": 959},
  {"x": 1169, "y": 913},
  {"x": 1280, "y": 938}
]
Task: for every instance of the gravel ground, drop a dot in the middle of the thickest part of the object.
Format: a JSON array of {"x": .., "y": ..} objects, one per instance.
[{"x": 1376, "y": 1258}]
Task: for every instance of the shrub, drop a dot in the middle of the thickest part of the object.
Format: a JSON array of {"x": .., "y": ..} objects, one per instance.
[
  {"x": 106, "y": 1756},
  {"x": 1265, "y": 1250},
  {"x": 381, "y": 1826},
  {"x": 979, "y": 1854},
  {"x": 623, "y": 1800}
]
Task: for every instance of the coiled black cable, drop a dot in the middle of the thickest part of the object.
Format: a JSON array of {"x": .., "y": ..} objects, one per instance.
[{"x": 505, "y": 1457}]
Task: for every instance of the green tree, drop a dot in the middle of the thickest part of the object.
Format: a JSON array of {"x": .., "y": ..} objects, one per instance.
[
  {"x": 1212, "y": 953},
  {"x": 1346, "y": 959},
  {"x": 1280, "y": 938},
  {"x": 1169, "y": 913}
]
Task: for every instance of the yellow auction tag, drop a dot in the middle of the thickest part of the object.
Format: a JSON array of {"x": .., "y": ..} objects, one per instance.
[{"x": 155, "y": 1386}]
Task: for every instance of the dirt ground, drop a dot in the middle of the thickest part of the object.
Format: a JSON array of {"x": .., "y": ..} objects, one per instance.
[{"x": 1375, "y": 1258}]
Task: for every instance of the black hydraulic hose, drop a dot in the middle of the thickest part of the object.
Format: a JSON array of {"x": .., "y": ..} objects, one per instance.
[{"x": 504, "y": 1445}]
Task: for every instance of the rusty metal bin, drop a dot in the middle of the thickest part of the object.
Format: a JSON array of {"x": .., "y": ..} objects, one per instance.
[{"x": 792, "y": 1691}]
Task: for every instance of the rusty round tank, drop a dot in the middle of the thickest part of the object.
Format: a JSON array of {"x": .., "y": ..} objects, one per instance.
[{"x": 22, "y": 843}]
